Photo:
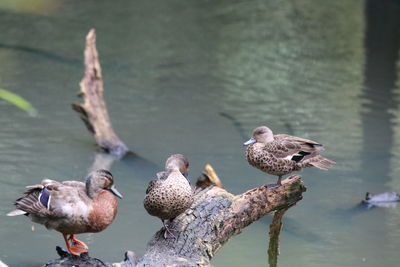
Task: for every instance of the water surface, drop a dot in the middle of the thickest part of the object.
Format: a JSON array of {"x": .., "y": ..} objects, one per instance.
[{"x": 195, "y": 77}]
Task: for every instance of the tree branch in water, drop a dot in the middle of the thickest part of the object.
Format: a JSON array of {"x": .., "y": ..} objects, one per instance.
[{"x": 93, "y": 111}]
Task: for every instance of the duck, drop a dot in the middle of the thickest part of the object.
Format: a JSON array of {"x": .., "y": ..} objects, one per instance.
[
  {"x": 383, "y": 200},
  {"x": 170, "y": 194},
  {"x": 282, "y": 154},
  {"x": 72, "y": 207}
]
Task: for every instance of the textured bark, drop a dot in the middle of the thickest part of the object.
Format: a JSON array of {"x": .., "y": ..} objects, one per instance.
[
  {"x": 208, "y": 178},
  {"x": 93, "y": 111},
  {"x": 215, "y": 216}
]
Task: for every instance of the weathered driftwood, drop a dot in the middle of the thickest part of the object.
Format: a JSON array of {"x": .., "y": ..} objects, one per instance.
[
  {"x": 67, "y": 259},
  {"x": 93, "y": 111},
  {"x": 215, "y": 216},
  {"x": 208, "y": 178}
]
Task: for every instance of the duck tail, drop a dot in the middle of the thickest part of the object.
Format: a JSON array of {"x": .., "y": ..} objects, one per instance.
[
  {"x": 35, "y": 201},
  {"x": 16, "y": 212},
  {"x": 320, "y": 162}
]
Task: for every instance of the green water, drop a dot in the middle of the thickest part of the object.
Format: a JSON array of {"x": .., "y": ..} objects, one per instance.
[{"x": 174, "y": 72}]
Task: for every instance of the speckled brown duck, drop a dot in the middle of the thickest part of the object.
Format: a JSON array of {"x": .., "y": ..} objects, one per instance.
[
  {"x": 282, "y": 154},
  {"x": 170, "y": 194},
  {"x": 71, "y": 207}
]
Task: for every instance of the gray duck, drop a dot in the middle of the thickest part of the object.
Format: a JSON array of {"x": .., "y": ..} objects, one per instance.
[
  {"x": 282, "y": 154},
  {"x": 71, "y": 207},
  {"x": 170, "y": 194}
]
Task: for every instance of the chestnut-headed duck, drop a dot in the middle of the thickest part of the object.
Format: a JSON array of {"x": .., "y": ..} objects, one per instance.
[{"x": 72, "y": 207}]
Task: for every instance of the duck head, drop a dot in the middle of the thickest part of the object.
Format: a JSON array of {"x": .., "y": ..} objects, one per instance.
[
  {"x": 100, "y": 180},
  {"x": 261, "y": 134},
  {"x": 178, "y": 162}
]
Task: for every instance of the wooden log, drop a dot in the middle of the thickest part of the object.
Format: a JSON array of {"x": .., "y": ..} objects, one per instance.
[
  {"x": 215, "y": 216},
  {"x": 93, "y": 111},
  {"x": 209, "y": 178}
]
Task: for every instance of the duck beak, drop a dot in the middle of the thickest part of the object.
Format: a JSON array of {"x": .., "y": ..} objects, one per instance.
[
  {"x": 186, "y": 175},
  {"x": 250, "y": 141},
  {"x": 115, "y": 191}
]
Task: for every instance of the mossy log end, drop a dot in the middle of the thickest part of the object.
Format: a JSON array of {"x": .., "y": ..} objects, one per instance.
[
  {"x": 215, "y": 216},
  {"x": 93, "y": 111}
]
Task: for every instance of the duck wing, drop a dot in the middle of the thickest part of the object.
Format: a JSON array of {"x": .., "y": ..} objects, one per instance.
[
  {"x": 161, "y": 177},
  {"x": 295, "y": 139},
  {"x": 50, "y": 198},
  {"x": 36, "y": 201},
  {"x": 154, "y": 183},
  {"x": 151, "y": 185},
  {"x": 76, "y": 184},
  {"x": 294, "y": 148}
]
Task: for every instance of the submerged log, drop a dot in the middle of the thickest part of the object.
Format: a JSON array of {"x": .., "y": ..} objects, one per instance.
[
  {"x": 274, "y": 233},
  {"x": 93, "y": 111},
  {"x": 215, "y": 216}
]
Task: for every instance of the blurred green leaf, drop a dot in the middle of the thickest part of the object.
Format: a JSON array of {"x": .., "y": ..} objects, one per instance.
[{"x": 18, "y": 101}]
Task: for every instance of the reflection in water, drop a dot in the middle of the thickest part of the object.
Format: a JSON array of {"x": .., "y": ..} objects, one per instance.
[
  {"x": 282, "y": 68},
  {"x": 102, "y": 161},
  {"x": 383, "y": 47},
  {"x": 303, "y": 231},
  {"x": 237, "y": 125},
  {"x": 42, "y": 53},
  {"x": 170, "y": 71}
]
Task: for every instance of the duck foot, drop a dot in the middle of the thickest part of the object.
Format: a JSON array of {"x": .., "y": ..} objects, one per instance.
[
  {"x": 278, "y": 184},
  {"x": 77, "y": 249},
  {"x": 75, "y": 246},
  {"x": 272, "y": 186},
  {"x": 168, "y": 231},
  {"x": 65, "y": 254}
]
